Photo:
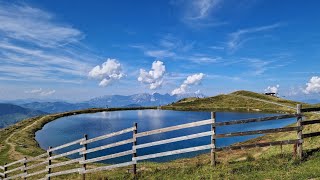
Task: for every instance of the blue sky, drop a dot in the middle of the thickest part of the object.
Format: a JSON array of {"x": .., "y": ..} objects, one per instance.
[{"x": 77, "y": 51}]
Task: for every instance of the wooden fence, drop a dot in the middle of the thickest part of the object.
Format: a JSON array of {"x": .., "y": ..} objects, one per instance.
[{"x": 23, "y": 168}]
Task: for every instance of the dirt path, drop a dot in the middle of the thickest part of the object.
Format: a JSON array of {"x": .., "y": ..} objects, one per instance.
[{"x": 12, "y": 152}]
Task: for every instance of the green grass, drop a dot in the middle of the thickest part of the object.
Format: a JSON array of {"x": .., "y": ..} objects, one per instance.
[
  {"x": 237, "y": 101},
  {"x": 257, "y": 163}
]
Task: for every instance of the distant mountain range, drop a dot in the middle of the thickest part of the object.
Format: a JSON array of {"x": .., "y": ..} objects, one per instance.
[
  {"x": 11, "y": 114},
  {"x": 136, "y": 100},
  {"x": 143, "y": 99},
  {"x": 14, "y": 111},
  {"x": 54, "y": 107}
]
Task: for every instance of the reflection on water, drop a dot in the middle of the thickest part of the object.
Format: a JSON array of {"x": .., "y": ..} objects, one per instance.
[{"x": 67, "y": 129}]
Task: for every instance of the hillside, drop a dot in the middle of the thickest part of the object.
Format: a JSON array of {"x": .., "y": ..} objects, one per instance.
[
  {"x": 258, "y": 163},
  {"x": 11, "y": 114},
  {"x": 237, "y": 101}
]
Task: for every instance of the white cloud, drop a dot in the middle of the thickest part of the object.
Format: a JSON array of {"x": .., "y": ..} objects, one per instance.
[
  {"x": 197, "y": 92},
  {"x": 154, "y": 78},
  {"x": 36, "y": 47},
  {"x": 194, "y": 79},
  {"x": 159, "y": 53},
  {"x": 202, "y": 8},
  {"x": 197, "y": 10},
  {"x": 313, "y": 86},
  {"x": 239, "y": 37},
  {"x": 108, "y": 72},
  {"x": 216, "y": 47},
  {"x": 272, "y": 89},
  {"x": 25, "y": 23},
  {"x": 47, "y": 93},
  {"x": 199, "y": 13},
  {"x": 41, "y": 92}
]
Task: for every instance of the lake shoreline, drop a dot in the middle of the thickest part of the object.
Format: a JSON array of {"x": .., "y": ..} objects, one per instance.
[{"x": 68, "y": 129}]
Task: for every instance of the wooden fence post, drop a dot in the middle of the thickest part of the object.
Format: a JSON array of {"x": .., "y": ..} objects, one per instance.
[
  {"x": 85, "y": 156},
  {"x": 213, "y": 140},
  {"x": 49, "y": 162},
  {"x": 5, "y": 169},
  {"x": 299, "y": 132},
  {"x": 134, "y": 154},
  {"x": 25, "y": 166}
]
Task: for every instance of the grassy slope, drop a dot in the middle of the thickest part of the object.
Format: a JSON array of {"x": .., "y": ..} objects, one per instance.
[
  {"x": 269, "y": 163},
  {"x": 237, "y": 101}
]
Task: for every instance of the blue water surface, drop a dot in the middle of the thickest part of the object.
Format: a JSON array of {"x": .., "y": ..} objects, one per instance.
[{"x": 71, "y": 128}]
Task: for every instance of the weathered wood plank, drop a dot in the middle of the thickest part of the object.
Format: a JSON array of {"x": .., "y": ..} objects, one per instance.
[
  {"x": 66, "y": 145},
  {"x": 37, "y": 173},
  {"x": 77, "y": 170},
  {"x": 314, "y": 134},
  {"x": 65, "y": 163},
  {"x": 310, "y": 109},
  {"x": 15, "y": 169},
  {"x": 275, "y": 143},
  {"x": 213, "y": 154},
  {"x": 310, "y": 122},
  {"x": 265, "y": 131},
  {"x": 173, "y": 128},
  {"x": 1, "y": 167},
  {"x": 299, "y": 132},
  {"x": 16, "y": 176},
  {"x": 67, "y": 153},
  {"x": 243, "y": 121},
  {"x": 107, "y": 146},
  {"x": 1, "y": 175},
  {"x": 171, "y": 140},
  {"x": 36, "y": 165},
  {"x": 107, "y": 136},
  {"x": 104, "y": 168},
  {"x": 169, "y": 153},
  {"x": 84, "y": 157},
  {"x": 124, "y": 153},
  {"x": 134, "y": 143},
  {"x": 37, "y": 157},
  {"x": 15, "y": 162}
]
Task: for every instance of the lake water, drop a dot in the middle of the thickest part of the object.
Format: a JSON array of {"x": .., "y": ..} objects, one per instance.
[{"x": 71, "y": 128}]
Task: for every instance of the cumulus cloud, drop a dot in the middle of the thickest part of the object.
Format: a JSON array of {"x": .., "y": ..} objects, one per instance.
[
  {"x": 194, "y": 79},
  {"x": 154, "y": 78},
  {"x": 107, "y": 73},
  {"x": 313, "y": 86},
  {"x": 272, "y": 89},
  {"x": 41, "y": 92}
]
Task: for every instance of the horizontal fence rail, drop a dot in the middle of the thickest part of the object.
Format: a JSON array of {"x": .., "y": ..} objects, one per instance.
[
  {"x": 103, "y": 168},
  {"x": 66, "y": 145},
  {"x": 30, "y": 167},
  {"x": 173, "y": 128},
  {"x": 310, "y": 109},
  {"x": 314, "y": 134},
  {"x": 111, "y": 156},
  {"x": 311, "y": 122},
  {"x": 181, "y": 138},
  {"x": 107, "y": 146},
  {"x": 243, "y": 121},
  {"x": 107, "y": 136},
  {"x": 256, "y": 145},
  {"x": 169, "y": 153}
]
